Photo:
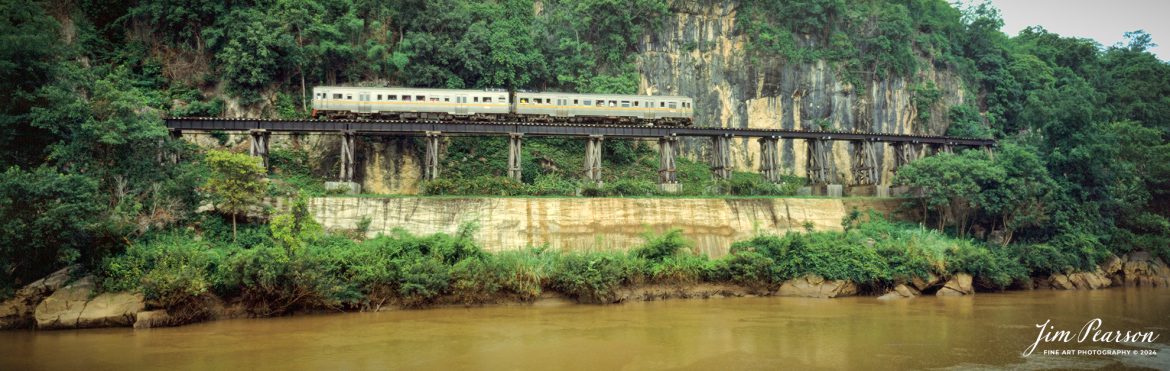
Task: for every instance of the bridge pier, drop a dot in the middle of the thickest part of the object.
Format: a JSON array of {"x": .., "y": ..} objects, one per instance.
[
  {"x": 667, "y": 177},
  {"x": 176, "y": 134},
  {"x": 514, "y": 156},
  {"x": 721, "y": 157},
  {"x": 593, "y": 158},
  {"x": 431, "y": 160},
  {"x": 864, "y": 163},
  {"x": 770, "y": 158},
  {"x": 259, "y": 145},
  {"x": 821, "y": 169},
  {"x": 348, "y": 158}
]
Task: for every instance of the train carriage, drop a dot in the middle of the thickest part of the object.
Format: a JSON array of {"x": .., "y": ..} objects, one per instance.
[
  {"x": 488, "y": 105},
  {"x": 407, "y": 103},
  {"x": 605, "y": 108}
]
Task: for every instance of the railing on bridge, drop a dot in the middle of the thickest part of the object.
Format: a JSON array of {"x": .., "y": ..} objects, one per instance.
[{"x": 821, "y": 167}]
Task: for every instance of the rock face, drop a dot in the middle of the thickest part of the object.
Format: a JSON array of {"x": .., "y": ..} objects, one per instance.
[
  {"x": 589, "y": 223},
  {"x": 1143, "y": 270},
  {"x": 900, "y": 292},
  {"x": 18, "y": 311},
  {"x": 72, "y": 307},
  {"x": 699, "y": 53},
  {"x": 958, "y": 285},
  {"x": 814, "y": 286}
]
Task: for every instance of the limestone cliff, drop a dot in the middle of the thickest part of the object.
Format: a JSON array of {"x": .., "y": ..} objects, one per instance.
[{"x": 699, "y": 53}]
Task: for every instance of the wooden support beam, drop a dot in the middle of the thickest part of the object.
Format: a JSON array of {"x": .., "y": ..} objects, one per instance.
[
  {"x": 593, "y": 158},
  {"x": 259, "y": 145},
  {"x": 431, "y": 160},
  {"x": 666, "y": 165},
  {"x": 770, "y": 158},
  {"x": 514, "y": 155},
  {"x": 821, "y": 169},
  {"x": 864, "y": 163},
  {"x": 347, "y": 156},
  {"x": 721, "y": 157}
]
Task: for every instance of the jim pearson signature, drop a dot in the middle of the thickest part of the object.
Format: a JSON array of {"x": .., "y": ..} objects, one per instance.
[{"x": 1091, "y": 332}]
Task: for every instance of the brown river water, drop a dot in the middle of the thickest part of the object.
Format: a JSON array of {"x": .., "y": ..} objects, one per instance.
[{"x": 985, "y": 331}]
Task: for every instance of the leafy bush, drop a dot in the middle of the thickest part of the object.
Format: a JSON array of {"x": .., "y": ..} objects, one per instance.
[
  {"x": 423, "y": 278},
  {"x": 175, "y": 271},
  {"x": 524, "y": 273},
  {"x": 593, "y": 277},
  {"x": 552, "y": 185},
  {"x": 993, "y": 269},
  {"x": 748, "y": 267},
  {"x": 476, "y": 280},
  {"x": 659, "y": 247}
]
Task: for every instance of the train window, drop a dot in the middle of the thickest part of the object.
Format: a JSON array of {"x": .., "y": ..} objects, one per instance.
[
  {"x": 379, "y": 97},
  {"x": 635, "y": 103},
  {"x": 613, "y": 103},
  {"x": 575, "y": 102},
  {"x": 661, "y": 104},
  {"x": 349, "y": 97},
  {"x": 405, "y": 98},
  {"x": 601, "y": 103},
  {"x": 446, "y": 99},
  {"x": 536, "y": 100},
  {"x": 523, "y": 100},
  {"x": 391, "y": 97},
  {"x": 487, "y": 99},
  {"x": 672, "y": 105},
  {"x": 420, "y": 98},
  {"x": 626, "y": 104},
  {"x": 588, "y": 102},
  {"x": 434, "y": 99},
  {"x": 475, "y": 99},
  {"x": 503, "y": 99}
]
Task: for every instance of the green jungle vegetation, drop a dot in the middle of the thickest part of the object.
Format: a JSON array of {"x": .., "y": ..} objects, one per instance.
[
  {"x": 293, "y": 265},
  {"x": 1082, "y": 171}
]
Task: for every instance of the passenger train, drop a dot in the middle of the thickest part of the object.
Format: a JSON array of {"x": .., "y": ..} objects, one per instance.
[{"x": 336, "y": 102}]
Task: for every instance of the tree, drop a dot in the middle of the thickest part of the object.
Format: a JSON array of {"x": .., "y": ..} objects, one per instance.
[
  {"x": 46, "y": 220},
  {"x": 954, "y": 184},
  {"x": 236, "y": 182}
]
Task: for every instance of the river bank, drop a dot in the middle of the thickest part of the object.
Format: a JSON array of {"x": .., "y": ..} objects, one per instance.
[{"x": 61, "y": 302}]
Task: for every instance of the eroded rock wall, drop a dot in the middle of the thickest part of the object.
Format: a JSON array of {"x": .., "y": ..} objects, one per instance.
[
  {"x": 590, "y": 223},
  {"x": 698, "y": 53}
]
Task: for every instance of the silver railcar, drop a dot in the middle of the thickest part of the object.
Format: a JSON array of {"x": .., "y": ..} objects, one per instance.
[
  {"x": 407, "y": 103},
  {"x": 618, "y": 108}
]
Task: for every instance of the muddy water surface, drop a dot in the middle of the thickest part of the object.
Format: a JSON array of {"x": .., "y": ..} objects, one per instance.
[{"x": 988, "y": 330}]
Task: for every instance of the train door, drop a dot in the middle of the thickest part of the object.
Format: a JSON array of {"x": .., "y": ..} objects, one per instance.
[
  {"x": 364, "y": 102},
  {"x": 461, "y": 105},
  {"x": 561, "y": 109}
]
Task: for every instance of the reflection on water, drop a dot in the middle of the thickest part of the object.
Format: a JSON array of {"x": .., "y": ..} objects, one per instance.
[{"x": 985, "y": 331}]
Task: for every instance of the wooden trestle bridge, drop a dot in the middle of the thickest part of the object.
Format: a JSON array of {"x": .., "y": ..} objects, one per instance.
[{"x": 821, "y": 170}]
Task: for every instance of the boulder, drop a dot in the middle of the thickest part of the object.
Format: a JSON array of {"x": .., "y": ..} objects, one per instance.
[
  {"x": 75, "y": 306},
  {"x": 18, "y": 312},
  {"x": 1111, "y": 266},
  {"x": 958, "y": 285},
  {"x": 1061, "y": 282},
  {"x": 154, "y": 318},
  {"x": 1088, "y": 280},
  {"x": 900, "y": 292},
  {"x": 814, "y": 286}
]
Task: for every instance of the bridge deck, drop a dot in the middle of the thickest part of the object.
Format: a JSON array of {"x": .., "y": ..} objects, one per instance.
[{"x": 396, "y": 127}]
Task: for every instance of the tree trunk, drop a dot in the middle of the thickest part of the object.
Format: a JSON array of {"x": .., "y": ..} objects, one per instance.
[{"x": 233, "y": 227}]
